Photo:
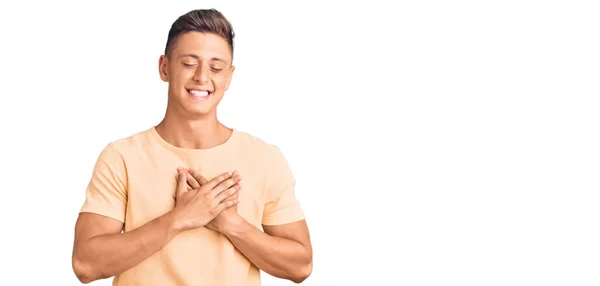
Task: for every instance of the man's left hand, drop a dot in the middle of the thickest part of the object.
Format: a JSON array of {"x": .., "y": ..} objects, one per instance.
[{"x": 228, "y": 217}]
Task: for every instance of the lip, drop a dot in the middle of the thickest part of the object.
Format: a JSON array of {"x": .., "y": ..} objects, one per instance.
[{"x": 199, "y": 97}]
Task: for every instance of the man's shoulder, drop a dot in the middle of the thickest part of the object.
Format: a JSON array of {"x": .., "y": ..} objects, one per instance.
[
  {"x": 131, "y": 142},
  {"x": 257, "y": 144},
  {"x": 261, "y": 150}
]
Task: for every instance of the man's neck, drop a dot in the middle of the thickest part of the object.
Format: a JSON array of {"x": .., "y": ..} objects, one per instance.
[{"x": 193, "y": 134}]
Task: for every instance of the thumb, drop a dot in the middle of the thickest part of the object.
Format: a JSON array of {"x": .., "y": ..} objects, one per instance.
[{"x": 181, "y": 183}]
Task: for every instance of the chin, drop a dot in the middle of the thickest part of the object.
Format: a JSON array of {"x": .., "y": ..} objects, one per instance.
[{"x": 199, "y": 112}]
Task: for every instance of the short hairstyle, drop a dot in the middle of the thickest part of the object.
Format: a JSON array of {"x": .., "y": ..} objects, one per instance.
[{"x": 201, "y": 20}]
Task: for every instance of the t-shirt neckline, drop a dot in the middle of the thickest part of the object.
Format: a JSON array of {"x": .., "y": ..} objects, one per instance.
[{"x": 172, "y": 147}]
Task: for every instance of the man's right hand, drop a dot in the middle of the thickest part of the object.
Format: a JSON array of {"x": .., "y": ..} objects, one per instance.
[
  {"x": 101, "y": 250},
  {"x": 195, "y": 208}
]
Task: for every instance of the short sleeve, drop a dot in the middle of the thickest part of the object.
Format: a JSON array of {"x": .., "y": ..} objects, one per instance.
[
  {"x": 281, "y": 205},
  {"x": 106, "y": 193}
]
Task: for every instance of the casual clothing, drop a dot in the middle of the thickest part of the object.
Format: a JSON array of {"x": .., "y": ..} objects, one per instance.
[{"x": 134, "y": 181}]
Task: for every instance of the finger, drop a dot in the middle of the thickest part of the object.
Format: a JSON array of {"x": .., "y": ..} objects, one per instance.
[
  {"x": 198, "y": 177},
  {"x": 216, "y": 181},
  {"x": 191, "y": 180},
  {"x": 227, "y": 194},
  {"x": 225, "y": 205},
  {"x": 225, "y": 185},
  {"x": 181, "y": 183},
  {"x": 236, "y": 195}
]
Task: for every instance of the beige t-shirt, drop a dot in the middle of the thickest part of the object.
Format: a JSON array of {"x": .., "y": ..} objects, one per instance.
[{"x": 134, "y": 181}]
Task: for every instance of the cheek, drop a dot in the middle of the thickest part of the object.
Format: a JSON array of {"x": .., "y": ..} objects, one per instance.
[
  {"x": 220, "y": 81},
  {"x": 180, "y": 77}
]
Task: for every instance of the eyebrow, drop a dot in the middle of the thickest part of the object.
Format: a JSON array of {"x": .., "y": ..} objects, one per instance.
[{"x": 198, "y": 58}]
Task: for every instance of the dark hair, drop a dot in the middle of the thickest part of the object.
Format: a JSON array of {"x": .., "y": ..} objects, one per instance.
[{"x": 201, "y": 20}]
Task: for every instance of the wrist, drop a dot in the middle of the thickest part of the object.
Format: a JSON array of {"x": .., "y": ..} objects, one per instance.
[{"x": 173, "y": 222}]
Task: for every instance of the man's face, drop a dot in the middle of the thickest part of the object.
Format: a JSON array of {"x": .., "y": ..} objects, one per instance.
[{"x": 198, "y": 72}]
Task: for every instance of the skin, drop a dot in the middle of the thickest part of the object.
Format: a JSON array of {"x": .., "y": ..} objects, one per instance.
[
  {"x": 101, "y": 250},
  {"x": 283, "y": 251}
]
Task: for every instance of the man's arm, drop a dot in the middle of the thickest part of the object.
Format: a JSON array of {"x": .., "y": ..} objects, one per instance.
[
  {"x": 283, "y": 251},
  {"x": 102, "y": 251}
]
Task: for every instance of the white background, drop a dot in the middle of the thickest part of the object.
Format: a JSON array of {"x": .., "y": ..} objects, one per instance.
[{"x": 434, "y": 142}]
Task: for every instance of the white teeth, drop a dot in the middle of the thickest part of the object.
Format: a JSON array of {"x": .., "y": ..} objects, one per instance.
[{"x": 199, "y": 93}]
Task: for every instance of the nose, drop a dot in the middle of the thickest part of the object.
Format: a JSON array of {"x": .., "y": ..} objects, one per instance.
[{"x": 201, "y": 74}]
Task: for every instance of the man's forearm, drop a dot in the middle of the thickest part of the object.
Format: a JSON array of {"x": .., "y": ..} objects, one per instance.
[
  {"x": 280, "y": 257},
  {"x": 104, "y": 256}
]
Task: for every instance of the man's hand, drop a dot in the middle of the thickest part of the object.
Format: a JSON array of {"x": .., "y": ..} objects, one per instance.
[
  {"x": 198, "y": 206},
  {"x": 283, "y": 251},
  {"x": 229, "y": 215}
]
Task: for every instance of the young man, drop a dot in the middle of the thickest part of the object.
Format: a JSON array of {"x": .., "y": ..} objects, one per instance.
[{"x": 183, "y": 202}]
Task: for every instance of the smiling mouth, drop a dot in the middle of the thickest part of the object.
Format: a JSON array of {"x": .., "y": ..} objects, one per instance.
[{"x": 199, "y": 94}]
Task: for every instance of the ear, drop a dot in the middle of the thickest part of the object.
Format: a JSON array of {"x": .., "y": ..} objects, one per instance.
[
  {"x": 162, "y": 68},
  {"x": 231, "y": 69}
]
